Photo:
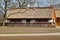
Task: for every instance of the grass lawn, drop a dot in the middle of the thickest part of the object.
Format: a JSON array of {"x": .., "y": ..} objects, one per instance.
[{"x": 27, "y": 30}]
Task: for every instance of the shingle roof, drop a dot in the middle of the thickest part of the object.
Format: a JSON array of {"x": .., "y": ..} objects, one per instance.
[
  {"x": 57, "y": 12},
  {"x": 30, "y": 13}
]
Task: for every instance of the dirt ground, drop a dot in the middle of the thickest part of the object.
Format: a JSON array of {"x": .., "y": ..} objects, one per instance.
[
  {"x": 49, "y": 37},
  {"x": 26, "y": 30}
]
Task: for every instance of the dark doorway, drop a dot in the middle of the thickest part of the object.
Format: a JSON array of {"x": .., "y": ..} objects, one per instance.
[{"x": 28, "y": 20}]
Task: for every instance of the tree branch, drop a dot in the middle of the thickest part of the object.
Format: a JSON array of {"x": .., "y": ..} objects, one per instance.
[{"x": 16, "y": 13}]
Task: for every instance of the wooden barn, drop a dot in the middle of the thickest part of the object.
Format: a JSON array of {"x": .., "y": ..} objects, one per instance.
[{"x": 30, "y": 17}]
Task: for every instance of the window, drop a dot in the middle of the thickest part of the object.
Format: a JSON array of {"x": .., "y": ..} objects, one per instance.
[
  {"x": 7, "y": 21},
  {"x": 28, "y": 21},
  {"x": 23, "y": 21},
  {"x": 41, "y": 20},
  {"x": 32, "y": 21}
]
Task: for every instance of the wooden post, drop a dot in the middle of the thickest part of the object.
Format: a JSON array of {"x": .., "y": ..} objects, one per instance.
[{"x": 53, "y": 13}]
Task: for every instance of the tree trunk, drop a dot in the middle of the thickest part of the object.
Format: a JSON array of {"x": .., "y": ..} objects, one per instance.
[
  {"x": 4, "y": 18},
  {"x": 4, "y": 21}
]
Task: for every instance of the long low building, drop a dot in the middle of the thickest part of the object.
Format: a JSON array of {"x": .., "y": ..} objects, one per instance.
[{"x": 30, "y": 17}]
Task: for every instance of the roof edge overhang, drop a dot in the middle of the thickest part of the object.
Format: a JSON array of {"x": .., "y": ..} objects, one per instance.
[
  {"x": 29, "y": 18},
  {"x": 32, "y": 8}
]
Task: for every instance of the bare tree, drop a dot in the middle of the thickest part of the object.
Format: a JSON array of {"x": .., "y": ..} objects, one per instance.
[
  {"x": 7, "y": 5},
  {"x": 4, "y": 9},
  {"x": 23, "y": 3}
]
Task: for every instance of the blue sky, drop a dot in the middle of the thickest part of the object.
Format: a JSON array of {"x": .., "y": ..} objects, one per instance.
[{"x": 45, "y": 3}]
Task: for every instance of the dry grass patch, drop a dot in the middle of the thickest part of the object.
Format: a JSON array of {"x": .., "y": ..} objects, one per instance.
[{"x": 27, "y": 30}]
